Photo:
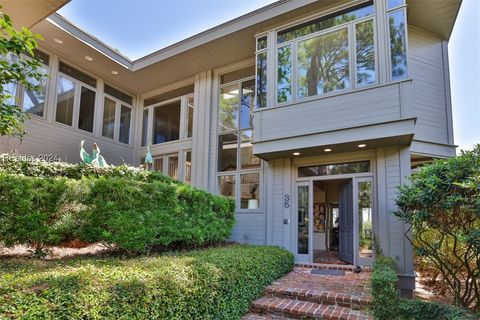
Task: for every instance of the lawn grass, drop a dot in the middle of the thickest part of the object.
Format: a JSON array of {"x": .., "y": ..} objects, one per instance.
[{"x": 214, "y": 283}]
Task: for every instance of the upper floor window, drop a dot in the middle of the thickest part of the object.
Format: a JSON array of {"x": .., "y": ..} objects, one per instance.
[
  {"x": 75, "y": 109},
  {"x": 332, "y": 53},
  {"x": 172, "y": 119},
  {"x": 397, "y": 26},
  {"x": 117, "y": 115},
  {"x": 261, "y": 73}
]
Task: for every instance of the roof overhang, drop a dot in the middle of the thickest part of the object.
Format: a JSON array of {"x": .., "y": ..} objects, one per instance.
[
  {"x": 434, "y": 16},
  {"x": 398, "y": 132},
  {"x": 27, "y": 13}
]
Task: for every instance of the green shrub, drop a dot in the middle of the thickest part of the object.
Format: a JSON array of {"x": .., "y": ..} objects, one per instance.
[
  {"x": 216, "y": 283},
  {"x": 388, "y": 305},
  {"x": 132, "y": 214}
]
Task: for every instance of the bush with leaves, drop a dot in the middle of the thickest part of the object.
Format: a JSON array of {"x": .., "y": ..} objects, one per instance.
[
  {"x": 18, "y": 66},
  {"x": 133, "y": 214},
  {"x": 442, "y": 206}
]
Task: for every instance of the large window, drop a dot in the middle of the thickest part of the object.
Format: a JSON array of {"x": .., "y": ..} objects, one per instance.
[
  {"x": 397, "y": 27},
  {"x": 334, "y": 169},
  {"x": 176, "y": 165},
  {"x": 332, "y": 53},
  {"x": 261, "y": 72},
  {"x": 69, "y": 105},
  {"x": 117, "y": 115},
  {"x": 172, "y": 119},
  {"x": 238, "y": 168}
]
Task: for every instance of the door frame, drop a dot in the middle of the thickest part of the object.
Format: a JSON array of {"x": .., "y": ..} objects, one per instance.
[{"x": 355, "y": 178}]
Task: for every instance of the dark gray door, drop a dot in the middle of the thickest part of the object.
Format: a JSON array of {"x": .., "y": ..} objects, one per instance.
[{"x": 345, "y": 207}]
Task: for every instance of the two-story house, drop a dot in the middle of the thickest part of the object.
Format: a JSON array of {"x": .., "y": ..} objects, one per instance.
[{"x": 308, "y": 113}]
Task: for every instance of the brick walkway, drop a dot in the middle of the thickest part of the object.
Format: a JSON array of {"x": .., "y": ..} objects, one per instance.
[{"x": 302, "y": 295}]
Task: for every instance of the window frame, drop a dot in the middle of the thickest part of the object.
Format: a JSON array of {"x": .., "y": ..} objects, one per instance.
[
  {"x": 183, "y": 125},
  {"x": 239, "y": 171},
  {"x": 387, "y": 13},
  {"x": 352, "y": 44},
  {"x": 20, "y": 94},
  {"x": 118, "y": 113},
  {"x": 76, "y": 103},
  {"x": 181, "y": 156}
]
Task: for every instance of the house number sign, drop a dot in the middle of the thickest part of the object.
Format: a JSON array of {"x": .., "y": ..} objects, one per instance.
[{"x": 286, "y": 201}]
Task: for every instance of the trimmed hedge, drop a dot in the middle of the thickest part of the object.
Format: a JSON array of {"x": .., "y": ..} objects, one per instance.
[
  {"x": 388, "y": 305},
  {"x": 134, "y": 214},
  {"x": 216, "y": 283}
]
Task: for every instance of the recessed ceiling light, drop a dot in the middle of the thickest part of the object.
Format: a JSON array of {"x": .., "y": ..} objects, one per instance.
[
  {"x": 88, "y": 58},
  {"x": 327, "y": 150},
  {"x": 115, "y": 72},
  {"x": 362, "y": 145},
  {"x": 296, "y": 153},
  {"x": 58, "y": 41}
]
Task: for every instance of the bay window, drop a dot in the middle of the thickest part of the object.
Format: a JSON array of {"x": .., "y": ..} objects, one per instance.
[
  {"x": 239, "y": 170},
  {"x": 117, "y": 115},
  {"x": 329, "y": 54}
]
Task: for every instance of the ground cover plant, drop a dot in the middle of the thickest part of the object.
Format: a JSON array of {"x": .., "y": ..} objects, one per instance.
[{"x": 214, "y": 283}]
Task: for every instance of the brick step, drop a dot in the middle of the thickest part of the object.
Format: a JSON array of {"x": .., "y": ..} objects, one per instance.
[
  {"x": 256, "y": 316},
  {"x": 326, "y": 266},
  {"x": 320, "y": 297},
  {"x": 296, "y": 309}
]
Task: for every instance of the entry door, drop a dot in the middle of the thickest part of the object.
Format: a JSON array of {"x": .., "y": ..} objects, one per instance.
[
  {"x": 303, "y": 229},
  {"x": 345, "y": 206}
]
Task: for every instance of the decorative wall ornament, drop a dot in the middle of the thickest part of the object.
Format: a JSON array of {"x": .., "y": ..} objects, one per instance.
[{"x": 95, "y": 159}]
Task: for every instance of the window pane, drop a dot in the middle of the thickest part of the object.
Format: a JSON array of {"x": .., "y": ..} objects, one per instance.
[
  {"x": 284, "y": 74},
  {"x": 158, "y": 164},
  {"x": 108, "y": 125},
  {"x": 323, "y": 64},
  {"x": 261, "y": 80},
  {"x": 302, "y": 230},
  {"x": 74, "y": 73},
  {"x": 41, "y": 56},
  {"x": 65, "y": 97},
  {"x": 166, "y": 123},
  {"x": 262, "y": 43},
  {"x": 398, "y": 44},
  {"x": 332, "y": 169},
  {"x": 247, "y": 159},
  {"x": 226, "y": 186},
  {"x": 227, "y": 152},
  {"x": 87, "y": 109},
  {"x": 11, "y": 88},
  {"x": 34, "y": 102},
  {"x": 250, "y": 190},
  {"x": 365, "y": 219},
  {"x": 188, "y": 167},
  {"x": 395, "y": 3},
  {"x": 190, "y": 104},
  {"x": 365, "y": 51},
  {"x": 324, "y": 23},
  {"x": 247, "y": 104},
  {"x": 228, "y": 118},
  {"x": 125, "y": 116},
  {"x": 173, "y": 167},
  {"x": 144, "y": 127}
]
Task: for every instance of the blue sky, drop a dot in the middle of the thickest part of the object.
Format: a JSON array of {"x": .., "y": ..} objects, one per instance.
[{"x": 137, "y": 28}]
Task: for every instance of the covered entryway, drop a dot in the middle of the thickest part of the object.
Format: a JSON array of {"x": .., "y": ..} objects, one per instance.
[{"x": 333, "y": 218}]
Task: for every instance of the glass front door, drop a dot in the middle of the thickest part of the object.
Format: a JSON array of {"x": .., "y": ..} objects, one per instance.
[{"x": 303, "y": 225}]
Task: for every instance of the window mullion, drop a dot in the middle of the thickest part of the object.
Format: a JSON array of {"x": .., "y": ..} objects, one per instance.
[
  {"x": 76, "y": 104},
  {"x": 116, "y": 126}
]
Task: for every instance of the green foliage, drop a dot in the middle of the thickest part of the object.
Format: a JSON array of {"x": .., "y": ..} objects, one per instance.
[
  {"x": 442, "y": 205},
  {"x": 217, "y": 283},
  {"x": 134, "y": 209},
  {"x": 18, "y": 66},
  {"x": 388, "y": 305}
]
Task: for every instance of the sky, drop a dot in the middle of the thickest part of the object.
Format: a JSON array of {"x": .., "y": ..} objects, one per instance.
[{"x": 137, "y": 28}]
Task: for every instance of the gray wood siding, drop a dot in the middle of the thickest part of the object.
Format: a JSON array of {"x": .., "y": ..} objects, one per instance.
[
  {"x": 428, "y": 101},
  {"x": 47, "y": 138},
  {"x": 250, "y": 228},
  {"x": 376, "y": 104}
]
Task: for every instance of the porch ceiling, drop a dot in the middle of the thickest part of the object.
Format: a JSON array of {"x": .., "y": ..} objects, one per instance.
[
  {"x": 374, "y": 136},
  {"x": 26, "y": 13}
]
